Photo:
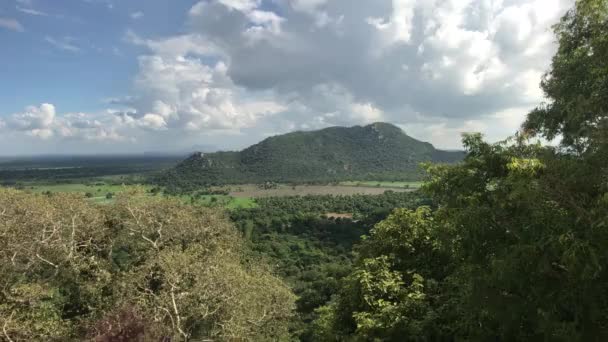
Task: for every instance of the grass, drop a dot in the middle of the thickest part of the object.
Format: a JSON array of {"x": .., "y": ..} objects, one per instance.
[
  {"x": 82, "y": 188},
  {"x": 97, "y": 191},
  {"x": 243, "y": 197},
  {"x": 383, "y": 184},
  {"x": 228, "y": 202},
  {"x": 282, "y": 190}
]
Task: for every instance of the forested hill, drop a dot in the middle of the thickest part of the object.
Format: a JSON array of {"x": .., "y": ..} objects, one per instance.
[{"x": 379, "y": 151}]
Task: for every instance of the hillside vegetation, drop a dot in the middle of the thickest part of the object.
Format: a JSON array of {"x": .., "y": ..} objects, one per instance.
[{"x": 378, "y": 151}]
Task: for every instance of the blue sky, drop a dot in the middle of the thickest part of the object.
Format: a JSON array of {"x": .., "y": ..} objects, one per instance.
[
  {"x": 95, "y": 61},
  {"x": 127, "y": 76}
]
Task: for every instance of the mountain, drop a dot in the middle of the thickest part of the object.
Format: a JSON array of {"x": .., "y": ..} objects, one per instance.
[{"x": 379, "y": 151}]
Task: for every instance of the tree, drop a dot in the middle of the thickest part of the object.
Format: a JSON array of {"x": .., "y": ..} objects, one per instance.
[
  {"x": 577, "y": 83},
  {"x": 516, "y": 249},
  {"x": 72, "y": 270}
]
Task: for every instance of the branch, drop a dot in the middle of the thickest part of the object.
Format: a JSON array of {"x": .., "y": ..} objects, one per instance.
[
  {"x": 179, "y": 327},
  {"x": 48, "y": 262},
  {"x": 4, "y": 327},
  {"x": 13, "y": 258},
  {"x": 141, "y": 230},
  {"x": 72, "y": 237}
]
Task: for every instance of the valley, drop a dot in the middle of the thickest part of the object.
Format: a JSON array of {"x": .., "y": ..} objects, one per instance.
[{"x": 308, "y": 231}]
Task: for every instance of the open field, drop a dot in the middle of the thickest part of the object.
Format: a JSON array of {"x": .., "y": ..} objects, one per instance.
[
  {"x": 253, "y": 191},
  {"x": 382, "y": 184},
  {"x": 99, "y": 191},
  {"x": 82, "y": 188},
  {"x": 225, "y": 201},
  {"x": 239, "y": 196}
]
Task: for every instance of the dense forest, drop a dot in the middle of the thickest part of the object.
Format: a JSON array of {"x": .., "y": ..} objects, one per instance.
[
  {"x": 508, "y": 244},
  {"x": 378, "y": 151},
  {"x": 311, "y": 251},
  {"x": 516, "y": 249}
]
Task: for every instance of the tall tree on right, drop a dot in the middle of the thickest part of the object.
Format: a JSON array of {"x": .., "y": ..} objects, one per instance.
[
  {"x": 577, "y": 83},
  {"x": 516, "y": 249}
]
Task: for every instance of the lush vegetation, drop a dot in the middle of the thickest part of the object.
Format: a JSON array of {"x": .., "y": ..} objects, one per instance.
[
  {"x": 376, "y": 152},
  {"x": 144, "y": 268},
  {"x": 311, "y": 250},
  {"x": 507, "y": 245},
  {"x": 516, "y": 249}
]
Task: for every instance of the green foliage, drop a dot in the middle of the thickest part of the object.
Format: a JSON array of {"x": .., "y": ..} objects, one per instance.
[
  {"x": 312, "y": 251},
  {"x": 375, "y": 152},
  {"x": 516, "y": 249},
  {"x": 513, "y": 252},
  {"x": 70, "y": 270},
  {"x": 577, "y": 84}
]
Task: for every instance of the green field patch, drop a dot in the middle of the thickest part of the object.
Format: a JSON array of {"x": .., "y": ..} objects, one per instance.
[
  {"x": 225, "y": 201},
  {"x": 97, "y": 190}
]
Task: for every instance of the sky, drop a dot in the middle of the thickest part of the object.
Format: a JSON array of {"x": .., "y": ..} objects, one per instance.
[{"x": 132, "y": 76}]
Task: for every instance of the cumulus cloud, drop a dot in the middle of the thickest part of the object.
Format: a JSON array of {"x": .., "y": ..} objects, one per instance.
[
  {"x": 435, "y": 67},
  {"x": 34, "y": 118},
  {"x": 452, "y": 61},
  {"x": 43, "y": 122},
  {"x": 179, "y": 88}
]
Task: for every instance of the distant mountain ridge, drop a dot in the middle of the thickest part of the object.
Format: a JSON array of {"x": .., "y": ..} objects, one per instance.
[{"x": 379, "y": 151}]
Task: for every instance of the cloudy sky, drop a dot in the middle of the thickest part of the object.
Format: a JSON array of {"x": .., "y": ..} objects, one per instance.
[{"x": 93, "y": 76}]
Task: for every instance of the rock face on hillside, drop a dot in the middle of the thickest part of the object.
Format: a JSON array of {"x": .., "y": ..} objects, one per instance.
[{"x": 379, "y": 151}]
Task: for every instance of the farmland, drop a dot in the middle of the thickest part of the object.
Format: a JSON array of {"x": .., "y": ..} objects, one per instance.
[
  {"x": 241, "y": 196},
  {"x": 254, "y": 191},
  {"x": 383, "y": 184}
]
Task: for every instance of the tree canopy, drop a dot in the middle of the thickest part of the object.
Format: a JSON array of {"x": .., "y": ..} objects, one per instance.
[
  {"x": 142, "y": 268},
  {"x": 516, "y": 249},
  {"x": 576, "y": 86}
]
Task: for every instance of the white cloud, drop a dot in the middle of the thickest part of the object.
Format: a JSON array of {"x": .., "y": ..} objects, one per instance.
[
  {"x": 307, "y": 5},
  {"x": 33, "y": 117},
  {"x": 435, "y": 67},
  {"x": 65, "y": 43},
  {"x": 153, "y": 121},
  {"x": 43, "y": 122},
  {"x": 137, "y": 15},
  {"x": 41, "y": 133},
  {"x": 182, "y": 92},
  {"x": 241, "y": 5},
  {"x": 32, "y": 11},
  {"x": 366, "y": 112},
  {"x": 11, "y": 24},
  {"x": 397, "y": 26},
  {"x": 447, "y": 65},
  {"x": 448, "y": 60}
]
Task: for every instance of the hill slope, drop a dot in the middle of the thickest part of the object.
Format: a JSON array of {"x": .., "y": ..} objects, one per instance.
[{"x": 379, "y": 151}]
